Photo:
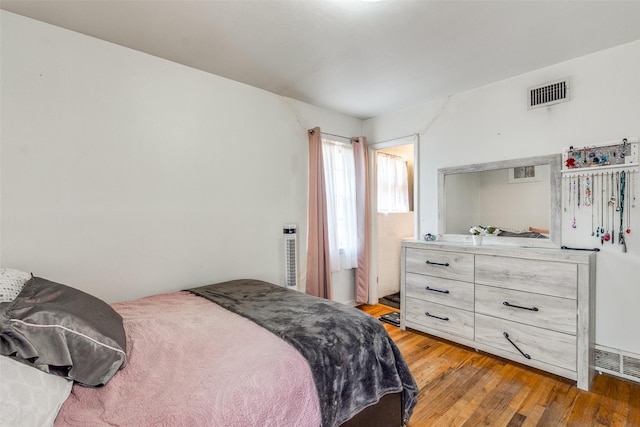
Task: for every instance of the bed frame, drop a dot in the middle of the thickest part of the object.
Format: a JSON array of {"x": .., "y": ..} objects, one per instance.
[{"x": 386, "y": 413}]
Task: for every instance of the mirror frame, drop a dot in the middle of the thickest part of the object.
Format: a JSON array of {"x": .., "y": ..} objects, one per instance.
[{"x": 555, "y": 201}]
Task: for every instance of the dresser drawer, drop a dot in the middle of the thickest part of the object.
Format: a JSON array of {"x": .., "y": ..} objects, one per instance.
[
  {"x": 558, "y": 314},
  {"x": 542, "y": 345},
  {"x": 448, "y": 265},
  {"x": 543, "y": 277},
  {"x": 441, "y": 317},
  {"x": 453, "y": 293}
]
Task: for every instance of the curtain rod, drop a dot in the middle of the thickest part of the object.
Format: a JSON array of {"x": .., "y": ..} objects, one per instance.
[{"x": 350, "y": 138}]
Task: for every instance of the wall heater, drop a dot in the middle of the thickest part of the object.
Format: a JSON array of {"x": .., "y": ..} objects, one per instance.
[
  {"x": 290, "y": 255},
  {"x": 618, "y": 363}
]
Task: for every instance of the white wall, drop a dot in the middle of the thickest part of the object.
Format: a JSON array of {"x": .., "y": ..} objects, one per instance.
[
  {"x": 125, "y": 175},
  {"x": 492, "y": 123}
]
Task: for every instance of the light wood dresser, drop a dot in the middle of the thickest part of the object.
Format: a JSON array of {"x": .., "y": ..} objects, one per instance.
[{"x": 530, "y": 305}]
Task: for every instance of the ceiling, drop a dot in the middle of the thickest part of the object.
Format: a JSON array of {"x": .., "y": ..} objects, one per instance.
[{"x": 360, "y": 58}]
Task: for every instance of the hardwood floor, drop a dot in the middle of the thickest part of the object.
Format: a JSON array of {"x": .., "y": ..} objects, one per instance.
[{"x": 462, "y": 387}]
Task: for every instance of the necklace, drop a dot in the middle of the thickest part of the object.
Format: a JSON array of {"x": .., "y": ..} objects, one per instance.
[
  {"x": 573, "y": 205},
  {"x": 566, "y": 192},
  {"x": 612, "y": 198},
  {"x": 602, "y": 204},
  {"x": 593, "y": 206},
  {"x": 633, "y": 187},
  {"x": 629, "y": 196},
  {"x": 607, "y": 236},
  {"x": 579, "y": 191},
  {"x": 613, "y": 210},
  {"x": 618, "y": 178},
  {"x": 622, "y": 183}
]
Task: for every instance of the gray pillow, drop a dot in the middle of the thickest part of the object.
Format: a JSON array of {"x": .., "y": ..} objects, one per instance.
[
  {"x": 63, "y": 331},
  {"x": 11, "y": 283}
]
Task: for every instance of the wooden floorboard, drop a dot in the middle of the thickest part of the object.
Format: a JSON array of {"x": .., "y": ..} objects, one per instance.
[{"x": 462, "y": 387}]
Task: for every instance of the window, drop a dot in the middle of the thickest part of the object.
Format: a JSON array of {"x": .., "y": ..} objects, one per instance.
[
  {"x": 339, "y": 172},
  {"x": 393, "y": 184}
]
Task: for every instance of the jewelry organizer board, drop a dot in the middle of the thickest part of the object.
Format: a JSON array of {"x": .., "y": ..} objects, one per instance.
[{"x": 600, "y": 196}]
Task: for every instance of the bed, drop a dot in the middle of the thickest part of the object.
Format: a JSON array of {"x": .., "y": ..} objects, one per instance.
[{"x": 237, "y": 353}]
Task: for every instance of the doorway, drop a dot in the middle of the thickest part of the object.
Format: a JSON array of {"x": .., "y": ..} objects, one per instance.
[{"x": 391, "y": 222}]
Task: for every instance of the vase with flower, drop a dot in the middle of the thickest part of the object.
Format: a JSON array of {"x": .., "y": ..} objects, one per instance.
[{"x": 479, "y": 231}]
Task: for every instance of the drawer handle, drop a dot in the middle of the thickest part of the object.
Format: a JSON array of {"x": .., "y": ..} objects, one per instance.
[
  {"x": 444, "y": 264},
  {"x": 437, "y": 317},
  {"x": 427, "y": 288},
  {"x": 506, "y": 335},
  {"x": 519, "y": 306}
]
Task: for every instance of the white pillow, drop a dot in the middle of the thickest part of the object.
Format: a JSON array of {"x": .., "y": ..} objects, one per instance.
[
  {"x": 11, "y": 283},
  {"x": 28, "y": 396}
]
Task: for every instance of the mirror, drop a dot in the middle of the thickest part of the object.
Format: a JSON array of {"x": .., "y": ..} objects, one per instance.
[{"x": 520, "y": 197}]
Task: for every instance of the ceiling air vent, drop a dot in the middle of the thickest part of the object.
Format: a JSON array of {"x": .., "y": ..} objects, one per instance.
[{"x": 549, "y": 93}]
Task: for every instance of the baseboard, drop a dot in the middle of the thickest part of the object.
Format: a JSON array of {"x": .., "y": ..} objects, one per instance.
[{"x": 618, "y": 363}]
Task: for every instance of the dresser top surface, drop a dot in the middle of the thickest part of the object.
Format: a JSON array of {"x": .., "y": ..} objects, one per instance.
[{"x": 552, "y": 254}]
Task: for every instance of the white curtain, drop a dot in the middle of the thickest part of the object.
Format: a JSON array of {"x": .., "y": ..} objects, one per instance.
[
  {"x": 393, "y": 184},
  {"x": 339, "y": 172}
]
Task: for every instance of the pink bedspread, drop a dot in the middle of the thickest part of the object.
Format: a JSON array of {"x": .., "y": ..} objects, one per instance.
[{"x": 193, "y": 363}]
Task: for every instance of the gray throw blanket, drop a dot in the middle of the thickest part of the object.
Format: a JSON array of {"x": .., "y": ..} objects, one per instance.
[{"x": 353, "y": 360}]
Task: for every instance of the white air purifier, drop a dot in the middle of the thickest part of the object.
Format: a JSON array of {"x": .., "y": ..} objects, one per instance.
[{"x": 290, "y": 238}]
